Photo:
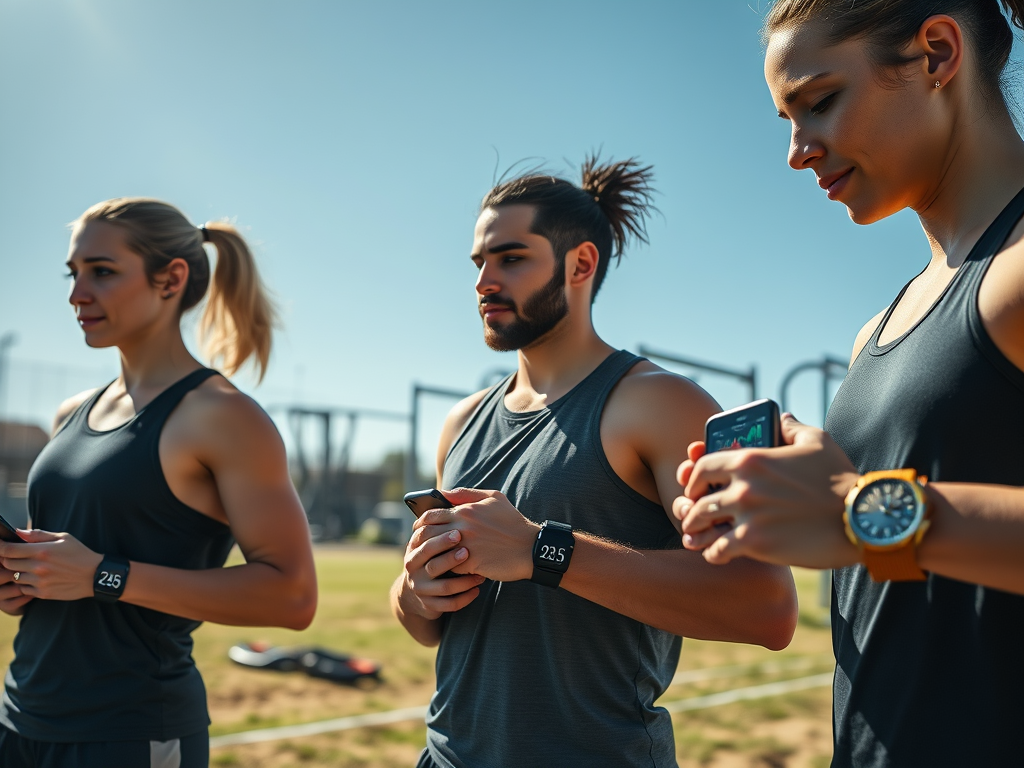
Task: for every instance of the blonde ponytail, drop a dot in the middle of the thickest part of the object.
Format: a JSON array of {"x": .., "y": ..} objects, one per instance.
[{"x": 239, "y": 317}]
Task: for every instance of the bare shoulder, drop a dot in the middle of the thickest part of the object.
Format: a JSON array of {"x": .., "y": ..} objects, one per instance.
[
  {"x": 651, "y": 387},
  {"x": 454, "y": 423},
  {"x": 651, "y": 399},
  {"x": 69, "y": 406},
  {"x": 223, "y": 419},
  {"x": 865, "y": 333}
]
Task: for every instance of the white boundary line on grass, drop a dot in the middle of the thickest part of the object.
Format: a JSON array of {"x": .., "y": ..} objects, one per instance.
[
  {"x": 324, "y": 726},
  {"x": 740, "y": 670},
  {"x": 681, "y": 705},
  {"x": 751, "y": 692}
]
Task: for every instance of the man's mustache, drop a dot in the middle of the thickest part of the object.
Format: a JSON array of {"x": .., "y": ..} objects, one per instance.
[{"x": 500, "y": 301}]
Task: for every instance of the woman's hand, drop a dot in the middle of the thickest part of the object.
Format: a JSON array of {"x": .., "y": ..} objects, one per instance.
[
  {"x": 52, "y": 566},
  {"x": 12, "y": 599},
  {"x": 779, "y": 505}
]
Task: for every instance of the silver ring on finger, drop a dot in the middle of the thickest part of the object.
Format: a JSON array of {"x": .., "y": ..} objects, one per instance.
[
  {"x": 17, "y": 575},
  {"x": 713, "y": 507}
]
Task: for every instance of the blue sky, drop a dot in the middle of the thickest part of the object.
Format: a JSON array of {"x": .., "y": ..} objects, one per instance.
[{"x": 352, "y": 142}]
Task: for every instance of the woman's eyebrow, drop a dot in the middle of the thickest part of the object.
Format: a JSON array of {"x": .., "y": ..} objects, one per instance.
[
  {"x": 92, "y": 260},
  {"x": 794, "y": 94}
]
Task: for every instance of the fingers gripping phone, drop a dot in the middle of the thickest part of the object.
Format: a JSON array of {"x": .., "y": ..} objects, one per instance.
[
  {"x": 420, "y": 501},
  {"x": 8, "y": 532},
  {"x": 755, "y": 425}
]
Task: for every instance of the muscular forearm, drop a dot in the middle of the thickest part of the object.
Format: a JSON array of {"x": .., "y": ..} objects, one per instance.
[
  {"x": 253, "y": 594},
  {"x": 423, "y": 630},
  {"x": 678, "y": 591},
  {"x": 977, "y": 535}
]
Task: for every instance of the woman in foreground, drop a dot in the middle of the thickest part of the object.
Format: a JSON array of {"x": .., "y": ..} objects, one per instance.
[
  {"x": 137, "y": 500},
  {"x": 896, "y": 104}
]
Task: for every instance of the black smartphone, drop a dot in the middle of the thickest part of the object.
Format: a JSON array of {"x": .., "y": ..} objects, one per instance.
[
  {"x": 420, "y": 501},
  {"x": 8, "y": 532},
  {"x": 755, "y": 425}
]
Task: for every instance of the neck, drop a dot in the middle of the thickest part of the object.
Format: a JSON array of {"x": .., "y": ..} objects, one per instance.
[
  {"x": 556, "y": 363},
  {"x": 982, "y": 171},
  {"x": 155, "y": 361}
]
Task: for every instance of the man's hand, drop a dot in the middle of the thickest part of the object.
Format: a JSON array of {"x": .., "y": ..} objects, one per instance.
[
  {"x": 498, "y": 537},
  {"x": 53, "y": 566},
  {"x": 431, "y": 553},
  {"x": 779, "y": 505}
]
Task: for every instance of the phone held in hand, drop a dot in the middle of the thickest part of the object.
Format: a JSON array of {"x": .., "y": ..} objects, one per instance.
[
  {"x": 755, "y": 425},
  {"x": 420, "y": 501},
  {"x": 8, "y": 532}
]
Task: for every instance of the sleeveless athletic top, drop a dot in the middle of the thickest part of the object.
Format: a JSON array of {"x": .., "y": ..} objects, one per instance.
[
  {"x": 533, "y": 676},
  {"x": 85, "y": 670},
  {"x": 932, "y": 673}
]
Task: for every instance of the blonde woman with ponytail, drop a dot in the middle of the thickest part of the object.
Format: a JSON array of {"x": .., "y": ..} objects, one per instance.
[
  {"x": 138, "y": 498},
  {"x": 896, "y": 104}
]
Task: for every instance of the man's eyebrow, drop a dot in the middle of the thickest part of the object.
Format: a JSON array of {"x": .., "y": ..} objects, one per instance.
[
  {"x": 794, "y": 94},
  {"x": 511, "y": 246}
]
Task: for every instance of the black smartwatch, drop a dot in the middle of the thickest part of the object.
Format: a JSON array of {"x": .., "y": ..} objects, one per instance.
[
  {"x": 552, "y": 553},
  {"x": 111, "y": 575}
]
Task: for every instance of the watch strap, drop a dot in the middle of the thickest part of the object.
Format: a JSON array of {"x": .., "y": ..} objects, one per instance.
[
  {"x": 546, "y": 578},
  {"x": 910, "y": 475},
  {"x": 894, "y": 564}
]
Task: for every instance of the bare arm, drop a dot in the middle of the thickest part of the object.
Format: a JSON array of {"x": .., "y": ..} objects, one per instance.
[
  {"x": 660, "y": 414},
  {"x": 788, "y": 503},
  {"x": 418, "y": 598},
  {"x": 674, "y": 590},
  {"x": 244, "y": 454}
]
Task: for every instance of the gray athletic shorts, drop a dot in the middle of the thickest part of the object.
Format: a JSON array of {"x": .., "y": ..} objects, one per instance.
[{"x": 191, "y": 751}]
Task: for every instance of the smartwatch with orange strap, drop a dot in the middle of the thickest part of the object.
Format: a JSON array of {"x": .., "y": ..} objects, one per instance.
[{"x": 887, "y": 514}]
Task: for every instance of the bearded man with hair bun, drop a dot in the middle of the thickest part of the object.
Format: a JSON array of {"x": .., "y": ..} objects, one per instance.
[{"x": 556, "y": 587}]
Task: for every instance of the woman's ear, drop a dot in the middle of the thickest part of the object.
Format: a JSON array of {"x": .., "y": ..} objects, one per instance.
[
  {"x": 172, "y": 279},
  {"x": 941, "y": 41}
]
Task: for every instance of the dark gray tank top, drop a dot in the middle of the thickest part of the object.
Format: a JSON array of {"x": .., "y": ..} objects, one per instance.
[
  {"x": 533, "y": 676},
  {"x": 84, "y": 670},
  {"x": 932, "y": 673}
]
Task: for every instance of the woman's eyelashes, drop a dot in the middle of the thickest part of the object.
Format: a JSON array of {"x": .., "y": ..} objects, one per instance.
[
  {"x": 97, "y": 272},
  {"x": 822, "y": 105}
]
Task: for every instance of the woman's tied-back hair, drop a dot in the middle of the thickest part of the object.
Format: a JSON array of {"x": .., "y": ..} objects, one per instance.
[
  {"x": 238, "y": 320},
  {"x": 889, "y": 25},
  {"x": 608, "y": 208}
]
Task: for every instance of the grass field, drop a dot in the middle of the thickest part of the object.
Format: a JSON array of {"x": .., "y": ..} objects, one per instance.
[{"x": 792, "y": 730}]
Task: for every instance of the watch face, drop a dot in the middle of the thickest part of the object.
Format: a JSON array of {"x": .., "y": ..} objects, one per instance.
[
  {"x": 553, "y": 549},
  {"x": 887, "y": 511}
]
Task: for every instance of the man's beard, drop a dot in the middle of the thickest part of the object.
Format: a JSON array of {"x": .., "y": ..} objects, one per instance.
[{"x": 541, "y": 313}]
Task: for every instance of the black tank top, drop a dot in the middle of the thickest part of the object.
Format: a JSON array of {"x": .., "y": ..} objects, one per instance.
[
  {"x": 533, "y": 676},
  {"x": 932, "y": 673},
  {"x": 85, "y": 670}
]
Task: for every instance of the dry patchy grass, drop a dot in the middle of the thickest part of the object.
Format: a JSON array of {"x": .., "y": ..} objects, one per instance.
[{"x": 791, "y": 731}]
